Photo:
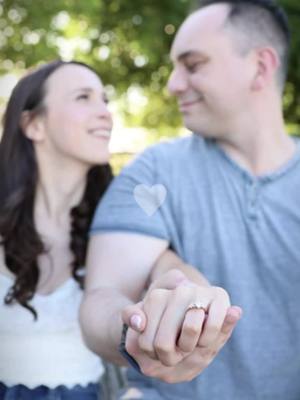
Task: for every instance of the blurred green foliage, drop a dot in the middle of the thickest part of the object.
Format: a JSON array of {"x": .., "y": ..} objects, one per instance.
[
  {"x": 126, "y": 41},
  {"x": 119, "y": 160}
]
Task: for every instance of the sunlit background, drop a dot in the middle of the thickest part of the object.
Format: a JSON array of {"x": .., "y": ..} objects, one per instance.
[{"x": 127, "y": 42}]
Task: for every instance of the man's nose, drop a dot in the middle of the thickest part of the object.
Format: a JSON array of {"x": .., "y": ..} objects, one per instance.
[{"x": 178, "y": 82}]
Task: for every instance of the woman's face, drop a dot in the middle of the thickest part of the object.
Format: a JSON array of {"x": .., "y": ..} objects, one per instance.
[{"x": 76, "y": 122}]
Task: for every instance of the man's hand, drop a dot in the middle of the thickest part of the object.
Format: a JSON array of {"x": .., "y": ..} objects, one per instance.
[
  {"x": 193, "y": 363},
  {"x": 175, "y": 343}
]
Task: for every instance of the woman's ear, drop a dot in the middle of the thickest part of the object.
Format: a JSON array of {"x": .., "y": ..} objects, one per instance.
[
  {"x": 32, "y": 126},
  {"x": 267, "y": 66}
]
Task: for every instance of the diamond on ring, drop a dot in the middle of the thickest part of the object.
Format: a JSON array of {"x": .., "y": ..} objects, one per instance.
[{"x": 197, "y": 306}]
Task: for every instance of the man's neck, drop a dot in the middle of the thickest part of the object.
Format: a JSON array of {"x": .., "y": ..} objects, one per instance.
[{"x": 261, "y": 150}]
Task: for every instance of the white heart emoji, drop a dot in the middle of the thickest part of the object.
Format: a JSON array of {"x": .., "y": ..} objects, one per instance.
[{"x": 150, "y": 198}]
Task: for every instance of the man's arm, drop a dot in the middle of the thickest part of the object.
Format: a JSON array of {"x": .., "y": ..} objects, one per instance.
[
  {"x": 118, "y": 266},
  {"x": 116, "y": 278},
  {"x": 170, "y": 260}
]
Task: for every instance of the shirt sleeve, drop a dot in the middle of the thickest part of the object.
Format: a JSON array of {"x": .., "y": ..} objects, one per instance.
[{"x": 134, "y": 201}]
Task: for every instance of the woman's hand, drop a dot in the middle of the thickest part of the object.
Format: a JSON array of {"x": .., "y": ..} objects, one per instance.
[{"x": 173, "y": 340}]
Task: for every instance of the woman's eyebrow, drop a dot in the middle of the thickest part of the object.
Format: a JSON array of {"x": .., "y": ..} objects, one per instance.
[{"x": 81, "y": 89}]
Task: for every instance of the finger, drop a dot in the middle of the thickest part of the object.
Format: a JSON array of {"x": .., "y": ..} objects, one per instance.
[
  {"x": 234, "y": 313},
  {"x": 170, "y": 326},
  {"x": 191, "y": 330},
  {"x": 154, "y": 306},
  {"x": 215, "y": 318},
  {"x": 148, "y": 366},
  {"x": 134, "y": 317}
]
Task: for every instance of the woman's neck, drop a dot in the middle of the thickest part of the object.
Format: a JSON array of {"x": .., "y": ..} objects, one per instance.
[{"x": 57, "y": 193}]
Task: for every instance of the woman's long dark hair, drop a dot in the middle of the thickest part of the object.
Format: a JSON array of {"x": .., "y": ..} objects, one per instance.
[{"x": 18, "y": 179}]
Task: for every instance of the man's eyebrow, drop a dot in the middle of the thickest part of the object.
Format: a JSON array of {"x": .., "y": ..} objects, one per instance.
[{"x": 191, "y": 53}]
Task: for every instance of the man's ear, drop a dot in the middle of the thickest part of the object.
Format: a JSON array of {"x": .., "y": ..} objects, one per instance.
[
  {"x": 267, "y": 66},
  {"x": 32, "y": 126}
]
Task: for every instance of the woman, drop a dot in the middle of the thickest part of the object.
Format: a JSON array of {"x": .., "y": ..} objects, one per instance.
[{"x": 54, "y": 169}]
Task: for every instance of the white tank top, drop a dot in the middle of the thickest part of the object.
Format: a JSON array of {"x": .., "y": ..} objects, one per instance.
[{"x": 49, "y": 351}]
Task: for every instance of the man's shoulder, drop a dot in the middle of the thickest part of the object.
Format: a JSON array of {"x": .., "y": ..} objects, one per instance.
[
  {"x": 171, "y": 154},
  {"x": 297, "y": 139},
  {"x": 179, "y": 146}
]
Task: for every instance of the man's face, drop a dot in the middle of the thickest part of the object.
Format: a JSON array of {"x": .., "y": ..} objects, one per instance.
[{"x": 210, "y": 79}]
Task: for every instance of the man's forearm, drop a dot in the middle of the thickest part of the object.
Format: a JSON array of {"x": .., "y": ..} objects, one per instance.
[
  {"x": 100, "y": 312},
  {"x": 170, "y": 260},
  {"x": 101, "y": 322}
]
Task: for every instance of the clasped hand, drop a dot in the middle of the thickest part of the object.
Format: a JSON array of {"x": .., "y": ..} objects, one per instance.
[{"x": 172, "y": 341}]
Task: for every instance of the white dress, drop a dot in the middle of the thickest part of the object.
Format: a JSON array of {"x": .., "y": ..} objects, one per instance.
[{"x": 49, "y": 351}]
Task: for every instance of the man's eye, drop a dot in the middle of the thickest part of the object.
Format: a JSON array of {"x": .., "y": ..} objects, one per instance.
[
  {"x": 83, "y": 96},
  {"x": 193, "y": 67}
]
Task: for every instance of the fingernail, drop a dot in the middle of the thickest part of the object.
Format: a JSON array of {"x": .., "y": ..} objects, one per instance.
[
  {"x": 136, "y": 321},
  {"x": 236, "y": 312}
]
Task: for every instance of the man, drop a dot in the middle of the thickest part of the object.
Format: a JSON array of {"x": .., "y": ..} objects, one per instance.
[{"x": 231, "y": 210}]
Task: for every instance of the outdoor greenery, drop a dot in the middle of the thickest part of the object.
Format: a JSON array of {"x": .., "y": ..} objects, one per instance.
[{"x": 126, "y": 41}]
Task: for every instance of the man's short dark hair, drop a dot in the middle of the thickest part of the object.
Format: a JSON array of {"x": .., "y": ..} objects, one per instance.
[{"x": 260, "y": 22}]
